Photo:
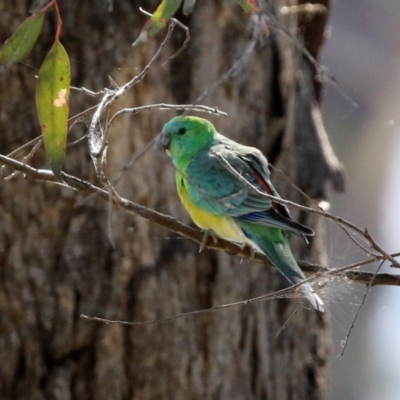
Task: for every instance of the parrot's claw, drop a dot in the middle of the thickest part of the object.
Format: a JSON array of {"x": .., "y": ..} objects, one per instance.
[
  {"x": 252, "y": 251},
  {"x": 207, "y": 233}
]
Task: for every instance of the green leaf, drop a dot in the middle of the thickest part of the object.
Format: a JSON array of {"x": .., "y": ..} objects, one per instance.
[
  {"x": 188, "y": 6},
  {"x": 19, "y": 45},
  {"x": 159, "y": 20},
  {"x": 52, "y": 95},
  {"x": 248, "y": 5}
]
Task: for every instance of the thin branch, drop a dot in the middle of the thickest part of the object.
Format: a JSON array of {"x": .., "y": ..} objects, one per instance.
[
  {"x": 27, "y": 158},
  {"x": 37, "y": 141},
  {"x": 306, "y": 8},
  {"x": 321, "y": 212},
  {"x": 312, "y": 201},
  {"x": 182, "y": 26},
  {"x": 25, "y": 146},
  {"x": 274, "y": 295},
  {"x": 322, "y": 72},
  {"x": 286, "y": 323},
  {"x": 195, "y": 235},
  {"x": 98, "y": 137},
  {"x": 236, "y": 67},
  {"x": 164, "y": 106},
  {"x": 359, "y": 309},
  {"x": 87, "y": 91},
  {"x": 355, "y": 241},
  {"x": 184, "y": 44}
]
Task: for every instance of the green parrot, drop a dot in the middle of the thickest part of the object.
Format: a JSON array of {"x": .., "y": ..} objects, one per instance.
[{"x": 222, "y": 184}]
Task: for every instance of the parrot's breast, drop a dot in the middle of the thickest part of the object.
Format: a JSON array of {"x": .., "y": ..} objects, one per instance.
[{"x": 223, "y": 226}]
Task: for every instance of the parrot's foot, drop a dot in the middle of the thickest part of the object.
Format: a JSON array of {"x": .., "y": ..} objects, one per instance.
[
  {"x": 207, "y": 234},
  {"x": 252, "y": 251},
  {"x": 305, "y": 238}
]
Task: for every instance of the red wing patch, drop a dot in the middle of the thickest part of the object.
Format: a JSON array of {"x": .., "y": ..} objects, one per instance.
[{"x": 266, "y": 188}]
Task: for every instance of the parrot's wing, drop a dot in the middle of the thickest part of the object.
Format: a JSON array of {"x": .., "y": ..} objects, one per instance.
[
  {"x": 276, "y": 220},
  {"x": 215, "y": 189},
  {"x": 222, "y": 180}
]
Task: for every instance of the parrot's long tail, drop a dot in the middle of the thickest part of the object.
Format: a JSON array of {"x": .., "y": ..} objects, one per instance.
[{"x": 275, "y": 245}]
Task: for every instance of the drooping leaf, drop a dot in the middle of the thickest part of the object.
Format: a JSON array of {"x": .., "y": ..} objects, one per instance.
[
  {"x": 248, "y": 5},
  {"x": 159, "y": 20},
  {"x": 20, "y": 43},
  {"x": 188, "y": 6},
  {"x": 52, "y": 95}
]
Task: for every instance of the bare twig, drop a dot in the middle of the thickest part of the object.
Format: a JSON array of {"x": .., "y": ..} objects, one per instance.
[
  {"x": 26, "y": 159},
  {"x": 236, "y": 67},
  {"x": 87, "y": 91},
  {"x": 164, "y": 106},
  {"x": 182, "y": 26},
  {"x": 35, "y": 143},
  {"x": 306, "y": 8},
  {"x": 184, "y": 44},
  {"x": 359, "y": 309},
  {"x": 286, "y": 323},
  {"x": 195, "y": 235},
  {"x": 318, "y": 211},
  {"x": 98, "y": 137},
  {"x": 312, "y": 201},
  {"x": 274, "y": 295},
  {"x": 355, "y": 241}
]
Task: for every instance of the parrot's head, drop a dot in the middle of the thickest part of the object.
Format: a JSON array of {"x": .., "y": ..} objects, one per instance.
[{"x": 184, "y": 137}]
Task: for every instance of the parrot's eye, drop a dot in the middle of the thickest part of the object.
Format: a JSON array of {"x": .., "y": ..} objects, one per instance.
[{"x": 182, "y": 131}]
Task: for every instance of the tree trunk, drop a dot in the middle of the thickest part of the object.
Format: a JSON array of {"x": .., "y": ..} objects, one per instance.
[{"x": 63, "y": 253}]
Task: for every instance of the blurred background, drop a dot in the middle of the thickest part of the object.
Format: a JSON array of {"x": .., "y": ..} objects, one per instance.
[{"x": 362, "y": 118}]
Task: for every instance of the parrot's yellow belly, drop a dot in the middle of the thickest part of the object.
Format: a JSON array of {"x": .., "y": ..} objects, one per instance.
[{"x": 223, "y": 226}]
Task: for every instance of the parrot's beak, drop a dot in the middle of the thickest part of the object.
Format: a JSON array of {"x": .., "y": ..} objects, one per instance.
[{"x": 165, "y": 140}]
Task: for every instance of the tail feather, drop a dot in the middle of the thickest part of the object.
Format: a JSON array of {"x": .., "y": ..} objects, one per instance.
[
  {"x": 312, "y": 297},
  {"x": 275, "y": 245}
]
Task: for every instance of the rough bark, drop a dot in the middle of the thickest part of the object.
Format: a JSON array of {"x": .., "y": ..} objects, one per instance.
[{"x": 57, "y": 259}]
